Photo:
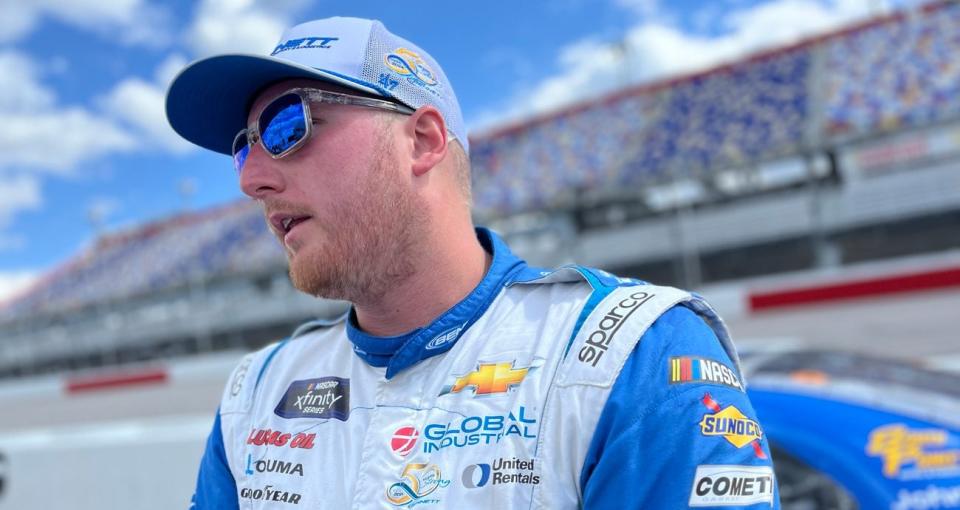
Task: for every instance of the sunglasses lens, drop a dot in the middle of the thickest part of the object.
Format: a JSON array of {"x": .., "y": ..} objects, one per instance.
[
  {"x": 283, "y": 123},
  {"x": 240, "y": 150}
]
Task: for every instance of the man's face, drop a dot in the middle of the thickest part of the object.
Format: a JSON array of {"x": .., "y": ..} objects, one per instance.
[{"x": 356, "y": 219}]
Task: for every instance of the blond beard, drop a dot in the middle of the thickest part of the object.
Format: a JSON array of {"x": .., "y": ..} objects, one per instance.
[{"x": 372, "y": 241}]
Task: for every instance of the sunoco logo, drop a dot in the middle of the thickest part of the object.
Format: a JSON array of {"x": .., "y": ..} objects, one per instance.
[
  {"x": 599, "y": 340},
  {"x": 503, "y": 471},
  {"x": 478, "y": 430},
  {"x": 326, "y": 397},
  {"x": 732, "y": 485},
  {"x": 731, "y": 424}
]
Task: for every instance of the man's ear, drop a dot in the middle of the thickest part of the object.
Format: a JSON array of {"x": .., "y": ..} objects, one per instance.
[{"x": 429, "y": 133}]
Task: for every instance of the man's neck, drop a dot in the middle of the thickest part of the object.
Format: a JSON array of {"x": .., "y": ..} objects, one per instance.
[{"x": 442, "y": 279}]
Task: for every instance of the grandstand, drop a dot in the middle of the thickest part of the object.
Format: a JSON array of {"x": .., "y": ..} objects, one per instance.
[{"x": 836, "y": 150}]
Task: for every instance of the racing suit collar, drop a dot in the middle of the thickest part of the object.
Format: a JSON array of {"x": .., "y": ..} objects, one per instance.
[{"x": 401, "y": 351}]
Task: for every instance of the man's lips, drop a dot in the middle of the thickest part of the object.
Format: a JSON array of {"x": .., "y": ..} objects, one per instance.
[{"x": 283, "y": 223}]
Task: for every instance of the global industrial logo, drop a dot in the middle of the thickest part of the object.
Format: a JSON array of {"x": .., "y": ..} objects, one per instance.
[{"x": 479, "y": 430}]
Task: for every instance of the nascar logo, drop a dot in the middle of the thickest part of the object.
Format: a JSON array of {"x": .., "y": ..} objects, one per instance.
[{"x": 686, "y": 369}]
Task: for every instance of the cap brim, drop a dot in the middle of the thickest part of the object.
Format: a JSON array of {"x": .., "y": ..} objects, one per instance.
[{"x": 207, "y": 102}]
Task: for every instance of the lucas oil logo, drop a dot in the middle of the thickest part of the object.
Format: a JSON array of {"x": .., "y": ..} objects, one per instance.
[
  {"x": 490, "y": 378},
  {"x": 326, "y": 397},
  {"x": 685, "y": 369},
  {"x": 912, "y": 454},
  {"x": 417, "y": 483},
  {"x": 731, "y": 424}
]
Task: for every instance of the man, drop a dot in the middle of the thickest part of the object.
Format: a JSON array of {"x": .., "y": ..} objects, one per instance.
[{"x": 461, "y": 378}]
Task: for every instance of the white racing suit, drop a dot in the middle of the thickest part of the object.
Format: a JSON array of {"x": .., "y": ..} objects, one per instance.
[{"x": 552, "y": 390}]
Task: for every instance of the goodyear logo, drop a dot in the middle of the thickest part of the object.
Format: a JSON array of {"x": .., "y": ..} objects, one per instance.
[
  {"x": 490, "y": 378},
  {"x": 686, "y": 369},
  {"x": 913, "y": 453},
  {"x": 731, "y": 424}
]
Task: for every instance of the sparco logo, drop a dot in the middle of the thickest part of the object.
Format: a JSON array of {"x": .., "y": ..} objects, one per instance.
[
  {"x": 273, "y": 466},
  {"x": 268, "y": 493},
  {"x": 503, "y": 471},
  {"x": 732, "y": 485},
  {"x": 326, "y": 397},
  {"x": 598, "y": 341}
]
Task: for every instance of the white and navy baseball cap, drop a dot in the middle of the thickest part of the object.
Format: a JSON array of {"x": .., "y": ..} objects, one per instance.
[{"x": 208, "y": 102}]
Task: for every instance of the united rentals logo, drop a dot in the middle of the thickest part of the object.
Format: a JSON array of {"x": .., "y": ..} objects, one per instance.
[
  {"x": 686, "y": 369},
  {"x": 404, "y": 439},
  {"x": 732, "y": 486},
  {"x": 326, "y": 397},
  {"x": 911, "y": 454},
  {"x": 503, "y": 471},
  {"x": 731, "y": 424},
  {"x": 417, "y": 482},
  {"x": 491, "y": 378},
  {"x": 599, "y": 340}
]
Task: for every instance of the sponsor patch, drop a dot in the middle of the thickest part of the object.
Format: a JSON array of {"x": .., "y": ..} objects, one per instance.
[
  {"x": 412, "y": 67},
  {"x": 597, "y": 343},
  {"x": 479, "y": 430},
  {"x": 931, "y": 498},
  {"x": 732, "y": 486},
  {"x": 403, "y": 441},
  {"x": 270, "y": 493},
  {"x": 417, "y": 484},
  {"x": 268, "y": 437},
  {"x": 326, "y": 397},
  {"x": 914, "y": 454},
  {"x": 273, "y": 466},
  {"x": 688, "y": 369},
  {"x": 731, "y": 424},
  {"x": 501, "y": 471},
  {"x": 491, "y": 378}
]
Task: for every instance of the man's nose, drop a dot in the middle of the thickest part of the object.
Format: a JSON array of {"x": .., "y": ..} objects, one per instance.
[{"x": 261, "y": 175}]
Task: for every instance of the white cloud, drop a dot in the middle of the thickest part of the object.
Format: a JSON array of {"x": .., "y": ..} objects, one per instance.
[
  {"x": 129, "y": 21},
  {"x": 33, "y": 123},
  {"x": 656, "y": 49},
  {"x": 235, "y": 26},
  {"x": 56, "y": 140},
  {"x": 140, "y": 104},
  {"x": 20, "y": 89},
  {"x": 20, "y": 193},
  {"x": 14, "y": 282}
]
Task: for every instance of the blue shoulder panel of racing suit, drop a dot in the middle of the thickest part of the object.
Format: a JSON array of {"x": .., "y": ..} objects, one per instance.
[
  {"x": 216, "y": 488},
  {"x": 648, "y": 442}
]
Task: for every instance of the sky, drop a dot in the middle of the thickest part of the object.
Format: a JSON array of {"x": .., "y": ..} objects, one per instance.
[{"x": 85, "y": 148}]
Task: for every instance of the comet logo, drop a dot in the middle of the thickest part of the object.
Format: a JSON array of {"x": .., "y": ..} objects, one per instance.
[{"x": 491, "y": 378}]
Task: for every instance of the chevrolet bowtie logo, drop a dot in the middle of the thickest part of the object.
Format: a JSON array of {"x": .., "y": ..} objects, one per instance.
[{"x": 491, "y": 378}]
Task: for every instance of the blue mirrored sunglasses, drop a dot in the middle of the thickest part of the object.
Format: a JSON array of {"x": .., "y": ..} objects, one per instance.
[{"x": 285, "y": 123}]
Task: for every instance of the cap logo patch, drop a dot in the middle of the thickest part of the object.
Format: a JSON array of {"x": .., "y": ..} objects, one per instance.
[
  {"x": 411, "y": 66},
  {"x": 304, "y": 43}
]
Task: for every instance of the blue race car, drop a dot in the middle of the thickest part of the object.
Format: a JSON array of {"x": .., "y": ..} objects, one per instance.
[{"x": 850, "y": 431}]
